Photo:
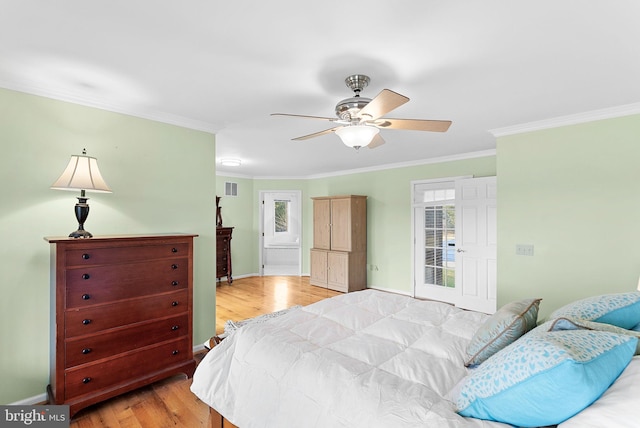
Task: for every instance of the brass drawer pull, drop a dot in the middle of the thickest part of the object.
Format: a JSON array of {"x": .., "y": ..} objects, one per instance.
[{"x": 85, "y": 351}]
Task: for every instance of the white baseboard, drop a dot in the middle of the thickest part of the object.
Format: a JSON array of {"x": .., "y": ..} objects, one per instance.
[
  {"x": 198, "y": 348},
  {"x": 391, "y": 290},
  {"x": 36, "y": 399}
]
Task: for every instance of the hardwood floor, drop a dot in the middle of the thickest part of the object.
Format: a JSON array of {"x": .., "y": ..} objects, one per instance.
[
  {"x": 250, "y": 297},
  {"x": 170, "y": 403}
]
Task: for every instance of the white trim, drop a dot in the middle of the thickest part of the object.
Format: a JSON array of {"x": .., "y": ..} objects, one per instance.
[
  {"x": 573, "y": 119},
  {"x": 299, "y": 213},
  {"x": 200, "y": 347},
  {"x": 232, "y": 175},
  {"x": 156, "y": 116},
  {"x": 36, "y": 399},
  {"x": 391, "y": 290},
  {"x": 442, "y": 159}
]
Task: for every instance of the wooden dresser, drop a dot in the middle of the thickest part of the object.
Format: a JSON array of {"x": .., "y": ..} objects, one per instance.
[
  {"x": 339, "y": 253},
  {"x": 121, "y": 314},
  {"x": 223, "y": 253}
]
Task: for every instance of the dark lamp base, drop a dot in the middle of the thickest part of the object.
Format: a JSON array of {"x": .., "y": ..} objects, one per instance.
[
  {"x": 82, "y": 212},
  {"x": 80, "y": 234}
]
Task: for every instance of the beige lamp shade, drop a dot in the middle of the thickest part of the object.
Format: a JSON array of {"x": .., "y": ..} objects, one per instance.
[{"x": 82, "y": 173}]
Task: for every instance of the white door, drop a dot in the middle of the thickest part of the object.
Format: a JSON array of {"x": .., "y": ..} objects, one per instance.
[
  {"x": 476, "y": 244},
  {"x": 280, "y": 235},
  {"x": 455, "y": 242}
]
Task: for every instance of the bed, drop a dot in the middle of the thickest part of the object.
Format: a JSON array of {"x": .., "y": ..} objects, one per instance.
[{"x": 376, "y": 359}]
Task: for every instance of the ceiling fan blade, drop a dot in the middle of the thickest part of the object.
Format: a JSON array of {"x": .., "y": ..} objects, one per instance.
[
  {"x": 414, "y": 124},
  {"x": 330, "y": 119},
  {"x": 376, "y": 142},
  {"x": 316, "y": 134},
  {"x": 382, "y": 104}
]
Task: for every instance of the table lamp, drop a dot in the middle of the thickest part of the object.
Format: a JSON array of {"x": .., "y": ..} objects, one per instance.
[{"x": 82, "y": 174}]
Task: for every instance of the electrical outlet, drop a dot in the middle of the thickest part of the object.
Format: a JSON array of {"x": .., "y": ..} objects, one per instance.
[{"x": 524, "y": 249}]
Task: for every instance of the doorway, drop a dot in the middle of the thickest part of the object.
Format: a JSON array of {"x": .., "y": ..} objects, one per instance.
[
  {"x": 280, "y": 240},
  {"x": 454, "y": 227}
]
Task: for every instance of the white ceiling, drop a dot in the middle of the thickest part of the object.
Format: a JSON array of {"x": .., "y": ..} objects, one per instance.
[{"x": 224, "y": 67}]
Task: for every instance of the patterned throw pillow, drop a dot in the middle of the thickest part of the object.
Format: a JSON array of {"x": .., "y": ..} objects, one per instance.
[
  {"x": 620, "y": 309},
  {"x": 545, "y": 378},
  {"x": 559, "y": 324},
  {"x": 503, "y": 328}
]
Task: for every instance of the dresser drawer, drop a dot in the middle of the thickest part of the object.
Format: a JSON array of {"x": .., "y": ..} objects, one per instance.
[
  {"x": 96, "y": 318},
  {"x": 93, "y": 285},
  {"x": 124, "y": 368},
  {"x": 94, "y": 347},
  {"x": 97, "y": 255}
]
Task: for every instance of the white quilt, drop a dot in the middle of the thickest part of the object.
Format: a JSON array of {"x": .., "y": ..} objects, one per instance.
[{"x": 366, "y": 359}]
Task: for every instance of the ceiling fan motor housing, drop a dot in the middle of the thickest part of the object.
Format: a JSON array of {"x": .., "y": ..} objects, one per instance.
[{"x": 348, "y": 108}]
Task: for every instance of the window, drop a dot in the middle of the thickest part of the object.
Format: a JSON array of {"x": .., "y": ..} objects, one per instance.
[
  {"x": 281, "y": 216},
  {"x": 435, "y": 215},
  {"x": 439, "y": 245}
]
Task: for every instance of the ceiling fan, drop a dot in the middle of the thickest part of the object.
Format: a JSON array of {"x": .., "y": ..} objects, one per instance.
[{"x": 360, "y": 119}]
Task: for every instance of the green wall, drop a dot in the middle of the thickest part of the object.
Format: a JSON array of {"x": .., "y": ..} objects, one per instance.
[
  {"x": 388, "y": 214},
  {"x": 239, "y": 212},
  {"x": 163, "y": 180},
  {"x": 574, "y": 193}
]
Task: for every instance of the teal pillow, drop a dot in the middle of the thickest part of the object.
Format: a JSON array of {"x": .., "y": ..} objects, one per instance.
[
  {"x": 621, "y": 309},
  {"x": 545, "y": 378},
  {"x": 503, "y": 328},
  {"x": 567, "y": 324}
]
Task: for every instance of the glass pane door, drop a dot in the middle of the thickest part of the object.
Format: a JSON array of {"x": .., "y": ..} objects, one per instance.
[{"x": 439, "y": 245}]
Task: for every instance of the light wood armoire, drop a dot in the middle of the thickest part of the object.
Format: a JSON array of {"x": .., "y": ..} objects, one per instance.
[{"x": 339, "y": 253}]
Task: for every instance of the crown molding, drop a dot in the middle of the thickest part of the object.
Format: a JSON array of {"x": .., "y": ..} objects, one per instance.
[
  {"x": 442, "y": 159},
  {"x": 573, "y": 119},
  {"x": 418, "y": 162},
  {"x": 155, "y": 116}
]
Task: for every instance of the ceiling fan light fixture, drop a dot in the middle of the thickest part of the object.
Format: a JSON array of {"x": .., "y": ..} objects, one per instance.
[{"x": 357, "y": 136}]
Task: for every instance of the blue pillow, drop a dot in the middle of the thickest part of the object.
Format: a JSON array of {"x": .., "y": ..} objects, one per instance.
[
  {"x": 501, "y": 329},
  {"x": 545, "y": 378},
  {"x": 621, "y": 309},
  {"x": 568, "y": 324}
]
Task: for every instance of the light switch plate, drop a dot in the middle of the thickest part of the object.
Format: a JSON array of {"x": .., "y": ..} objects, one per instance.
[{"x": 524, "y": 250}]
